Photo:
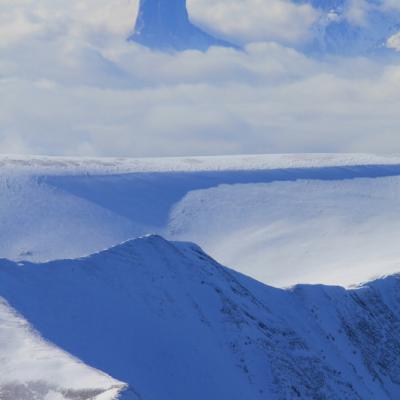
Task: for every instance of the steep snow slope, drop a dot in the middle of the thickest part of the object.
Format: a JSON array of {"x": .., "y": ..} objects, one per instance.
[
  {"x": 54, "y": 208},
  {"x": 31, "y": 369},
  {"x": 174, "y": 324}
]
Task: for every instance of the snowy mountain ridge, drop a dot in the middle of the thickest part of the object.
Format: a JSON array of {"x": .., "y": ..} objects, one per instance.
[{"x": 151, "y": 311}]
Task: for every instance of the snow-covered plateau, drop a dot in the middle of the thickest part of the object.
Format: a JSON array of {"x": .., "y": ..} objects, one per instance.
[
  {"x": 282, "y": 219},
  {"x": 92, "y": 307}
]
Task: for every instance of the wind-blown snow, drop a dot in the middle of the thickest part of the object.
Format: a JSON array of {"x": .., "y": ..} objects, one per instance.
[{"x": 172, "y": 323}]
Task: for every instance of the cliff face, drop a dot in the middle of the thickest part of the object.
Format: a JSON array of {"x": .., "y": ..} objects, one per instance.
[
  {"x": 165, "y": 25},
  {"x": 172, "y": 323}
]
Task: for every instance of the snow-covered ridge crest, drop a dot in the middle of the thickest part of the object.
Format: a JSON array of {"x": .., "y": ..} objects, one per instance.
[
  {"x": 37, "y": 165},
  {"x": 150, "y": 310}
]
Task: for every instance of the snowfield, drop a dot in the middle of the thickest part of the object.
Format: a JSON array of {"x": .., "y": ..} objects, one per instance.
[
  {"x": 282, "y": 219},
  {"x": 174, "y": 324},
  {"x": 310, "y": 231}
]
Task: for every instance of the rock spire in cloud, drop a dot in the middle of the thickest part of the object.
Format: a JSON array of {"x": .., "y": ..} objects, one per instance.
[{"x": 165, "y": 25}]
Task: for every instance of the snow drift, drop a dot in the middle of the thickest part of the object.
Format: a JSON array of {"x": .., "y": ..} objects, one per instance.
[{"x": 173, "y": 323}]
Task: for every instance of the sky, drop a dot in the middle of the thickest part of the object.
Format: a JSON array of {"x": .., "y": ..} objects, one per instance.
[{"x": 70, "y": 84}]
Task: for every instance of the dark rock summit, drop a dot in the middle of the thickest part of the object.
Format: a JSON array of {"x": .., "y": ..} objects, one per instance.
[{"x": 165, "y": 25}]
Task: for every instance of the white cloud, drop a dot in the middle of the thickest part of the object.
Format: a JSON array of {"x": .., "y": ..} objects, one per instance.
[
  {"x": 16, "y": 25},
  {"x": 255, "y": 20},
  {"x": 357, "y": 11},
  {"x": 91, "y": 19},
  {"x": 391, "y": 5},
  {"x": 394, "y": 42}
]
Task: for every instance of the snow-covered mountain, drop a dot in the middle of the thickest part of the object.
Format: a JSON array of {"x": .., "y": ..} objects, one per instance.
[
  {"x": 281, "y": 219},
  {"x": 165, "y": 24},
  {"x": 348, "y": 27},
  {"x": 344, "y": 27},
  {"x": 168, "y": 321},
  {"x": 174, "y": 324}
]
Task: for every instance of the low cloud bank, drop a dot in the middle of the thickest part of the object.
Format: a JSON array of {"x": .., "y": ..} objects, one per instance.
[{"x": 71, "y": 84}]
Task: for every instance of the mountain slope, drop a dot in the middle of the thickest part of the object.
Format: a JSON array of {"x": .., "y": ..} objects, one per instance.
[{"x": 173, "y": 323}]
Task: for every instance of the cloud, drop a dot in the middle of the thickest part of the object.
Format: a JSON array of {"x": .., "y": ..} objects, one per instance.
[
  {"x": 391, "y": 5},
  {"x": 394, "y": 42},
  {"x": 357, "y": 12},
  {"x": 93, "y": 21},
  {"x": 16, "y": 26},
  {"x": 255, "y": 20},
  {"x": 72, "y": 85}
]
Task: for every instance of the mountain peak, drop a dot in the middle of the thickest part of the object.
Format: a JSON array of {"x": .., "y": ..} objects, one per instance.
[
  {"x": 350, "y": 28},
  {"x": 165, "y": 25}
]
